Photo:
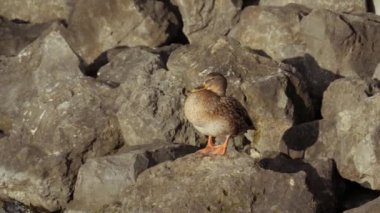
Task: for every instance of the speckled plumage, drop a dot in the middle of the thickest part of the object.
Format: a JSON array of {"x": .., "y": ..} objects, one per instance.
[{"x": 214, "y": 114}]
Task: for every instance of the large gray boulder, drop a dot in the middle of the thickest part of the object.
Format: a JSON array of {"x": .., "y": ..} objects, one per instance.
[
  {"x": 339, "y": 45},
  {"x": 148, "y": 101},
  {"x": 232, "y": 183},
  {"x": 206, "y": 19},
  {"x": 119, "y": 23},
  {"x": 102, "y": 180},
  {"x": 36, "y": 11},
  {"x": 347, "y": 6},
  {"x": 348, "y": 133},
  {"x": 273, "y": 93},
  {"x": 274, "y": 30},
  {"x": 60, "y": 122}
]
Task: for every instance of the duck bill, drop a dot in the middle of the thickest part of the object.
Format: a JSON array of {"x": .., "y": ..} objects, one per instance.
[{"x": 197, "y": 89}]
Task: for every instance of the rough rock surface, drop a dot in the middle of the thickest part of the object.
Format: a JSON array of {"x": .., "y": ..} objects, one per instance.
[
  {"x": 15, "y": 37},
  {"x": 60, "y": 124},
  {"x": 105, "y": 178},
  {"x": 370, "y": 207},
  {"x": 347, "y": 6},
  {"x": 206, "y": 19},
  {"x": 273, "y": 95},
  {"x": 217, "y": 184},
  {"x": 149, "y": 99},
  {"x": 150, "y": 23},
  {"x": 274, "y": 30},
  {"x": 335, "y": 44},
  {"x": 36, "y": 11},
  {"x": 354, "y": 130},
  {"x": 348, "y": 133}
]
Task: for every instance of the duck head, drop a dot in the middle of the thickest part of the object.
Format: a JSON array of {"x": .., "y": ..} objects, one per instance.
[{"x": 215, "y": 82}]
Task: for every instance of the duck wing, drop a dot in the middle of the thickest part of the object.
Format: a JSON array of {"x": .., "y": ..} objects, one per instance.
[{"x": 236, "y": 113}]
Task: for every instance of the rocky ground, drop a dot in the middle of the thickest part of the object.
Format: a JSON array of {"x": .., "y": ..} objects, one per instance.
[{"x": 91, "y": 98}]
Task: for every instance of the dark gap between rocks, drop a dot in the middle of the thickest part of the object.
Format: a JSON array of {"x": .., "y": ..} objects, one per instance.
[
  {"x": 92, "y": 69},
  {"x": 14, "y": 206},
  {"x": 309, "y": 68},
  {"x": 370, "y": 6},
  {"x": 2, "y": 134},
  {"x": 373, "y": 88},
  {"x": 247, "y": 3},
  {"x": 19, "y": 21},
  {"x": 352, "y": 195},
  {"x": 176, "y": 32}
]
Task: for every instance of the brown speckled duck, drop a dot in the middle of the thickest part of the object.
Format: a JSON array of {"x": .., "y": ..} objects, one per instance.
[{"x": 214, "y": 114}]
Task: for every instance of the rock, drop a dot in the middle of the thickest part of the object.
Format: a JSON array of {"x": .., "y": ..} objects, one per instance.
[
  {"x": 14, "y": 36},
  {"x": 376, "y": 74},
  {"x": 272, "y": 92},
  {"x": 376, "y": 6},
  {"x": 370, "y": 207},
  {"x": 355, "y": 117},
  {"x": 101, "y": 180},
  {"x": 321, "y": 177},
  {"x": 149, "y": 23},
  {"x": 59, "y": 124},
  {"x": 230, "y": 183},
  {"x": 348, "y": 133},
  {"x": 149, "y": 99},
  {"x": 344, "y": 45},
  {"x": 206, "y": 19},
  {"x": 36, "y": 11},
  {"x": 349, "y": 6},
  {"x": 274, "y": 30}
]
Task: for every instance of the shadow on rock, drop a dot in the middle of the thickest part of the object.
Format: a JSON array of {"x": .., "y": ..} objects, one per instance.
[
  {"x": 321, "y": 187},
  {"x": 299, "y": 138},
  {"x": 317, "y": 78}
]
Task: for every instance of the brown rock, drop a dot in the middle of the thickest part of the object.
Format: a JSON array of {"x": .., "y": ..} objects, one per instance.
[
  {"x": 149, "y": 99},
  {"x": 59, "y": 124},
  {"x": 339, "y": 45},
  {"x": 349, "y": 131},
  {"x": 148, "y": 23},
  {"x": 206, "y": 19},
  {"x": 36, "y": 11},
  {"x": 101, "y": 180},
  {"x": 274, "y": 30},
  {"x": 348, "y": 6},
  {"x": 231, "y": 183}
]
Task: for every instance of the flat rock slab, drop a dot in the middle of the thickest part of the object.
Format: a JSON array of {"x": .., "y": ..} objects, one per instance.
[
  {"x": 119, "y": 23},
  {"x": 36, "y": 11},
  {"x": 274, "y": 30},
  {"x": 102, "y": 180},
  {"x": 206, "y": 19},
  {"x": 347, "y": 6},
  {"x": 231, "y": 183}
]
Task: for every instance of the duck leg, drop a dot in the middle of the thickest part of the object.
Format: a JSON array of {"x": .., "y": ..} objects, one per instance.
[
  {"x": 221, "y": 149},
  {"x": 209, "y": 147}
]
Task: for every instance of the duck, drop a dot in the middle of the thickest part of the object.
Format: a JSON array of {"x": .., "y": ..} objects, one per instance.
[{"x": 214, "y": 114}]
